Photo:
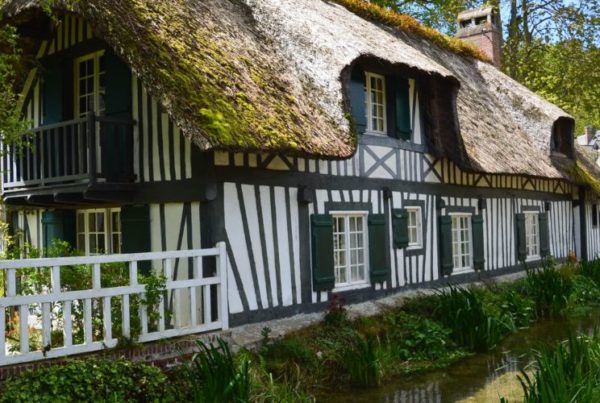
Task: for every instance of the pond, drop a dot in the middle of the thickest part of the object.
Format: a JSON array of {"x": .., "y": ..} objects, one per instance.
[{"x": 481, "y": 378}]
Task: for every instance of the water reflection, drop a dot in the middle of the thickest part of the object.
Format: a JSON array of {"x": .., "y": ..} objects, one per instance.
[{"x": 481, "y": 378}]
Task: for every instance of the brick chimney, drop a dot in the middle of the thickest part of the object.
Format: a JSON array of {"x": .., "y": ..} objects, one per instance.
[{"x": 483, "y": 28}]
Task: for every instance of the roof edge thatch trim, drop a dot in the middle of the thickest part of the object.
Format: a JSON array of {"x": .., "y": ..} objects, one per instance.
[
  {"x": 405, "y": 23},
  {"x": 581, "y": 176}
]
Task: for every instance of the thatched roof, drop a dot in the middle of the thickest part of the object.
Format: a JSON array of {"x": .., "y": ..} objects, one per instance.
[{"x": 265, "y": 75}]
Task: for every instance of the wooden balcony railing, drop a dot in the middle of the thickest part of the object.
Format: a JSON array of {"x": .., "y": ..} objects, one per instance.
[{"x": 90, "y": 149}]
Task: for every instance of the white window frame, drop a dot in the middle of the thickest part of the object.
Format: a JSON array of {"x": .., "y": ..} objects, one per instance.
[
  {"x": 532, "y": 221},
  {"x": 469, "y": 231},
  {"x": 368, "y": 104},
  {"x": 349, "y": 284},
  {"x": 418, "y": 243},
  {"x": 108, "y": 232},
  {"x": 76, "y": 95}
]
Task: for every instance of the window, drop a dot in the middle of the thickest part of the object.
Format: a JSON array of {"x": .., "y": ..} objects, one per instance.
[
  {"x": 89, "y": 84},
  {"x": 375, "y": 103},
  {"x": 415, "y": 232},
  {"x": 349, "y": 249},
  {"x": 532, "y": 235},
  {"x": 461, "y": 241},
  {"x": 99, "y": 231}
]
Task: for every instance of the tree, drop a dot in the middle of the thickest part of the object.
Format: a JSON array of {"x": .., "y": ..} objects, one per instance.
[{"x": 12, "y": 125}]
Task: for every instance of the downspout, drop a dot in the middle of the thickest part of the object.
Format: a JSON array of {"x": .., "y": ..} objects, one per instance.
[{"x": 583, "y": 224}]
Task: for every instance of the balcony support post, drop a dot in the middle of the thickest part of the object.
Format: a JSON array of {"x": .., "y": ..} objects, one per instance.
[{"x": 92, "y": 146}]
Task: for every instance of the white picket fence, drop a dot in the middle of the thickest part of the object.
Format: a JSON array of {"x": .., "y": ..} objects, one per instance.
[{"x": 194, "y": 296}]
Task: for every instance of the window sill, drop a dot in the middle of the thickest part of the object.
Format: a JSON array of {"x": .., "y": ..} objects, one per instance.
[
  {"x": 530, "y": 259},
  {"x": 350, "y": 287},
  {"x": 414, "y": 247},
  {"x": 463, "y": 270}
]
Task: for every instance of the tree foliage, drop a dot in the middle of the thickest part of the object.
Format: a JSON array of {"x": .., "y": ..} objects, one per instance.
[
  {"x": 12, "y": 125},
  {"x": 551, "y": 46}
]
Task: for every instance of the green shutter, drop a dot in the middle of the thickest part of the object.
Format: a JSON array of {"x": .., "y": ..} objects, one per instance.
[
  {"x": 118, "y": 86},
  {"x": 402, "y": 112},
  {"x": 445, "y": 239},
  {"x": 135, "y": 232},
  {"x": 478, "y": 239},
  {"x": 118, "y": 105},
  {"x": 544, "y": 235},
  {"x": 322, "y": 252},
  {"x": 58, "y": 225},
  {"x": 52, "y": 92},
  {"x": 400, "y": 228},
  {"x": 521, "y": 245},
  {"x": 379, "y": 265},
  {"x": 357, "y": 100}
]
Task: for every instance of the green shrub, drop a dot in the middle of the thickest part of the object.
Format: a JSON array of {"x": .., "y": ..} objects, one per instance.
[
  {"x": 215, "y": 376},
  {"x": 550, "y": 290},
  {"x": 591, "y": 269},
  {"x": 512, "y": 307},
  {"x": 413, "y": 338},
  {"x": 361, "y": 361},
  {"x": 89, "y": 380},
  {"x": 461, "y": 310},
  {"x": 568, "y": 373},
  {"x": 585, "y": 292}
]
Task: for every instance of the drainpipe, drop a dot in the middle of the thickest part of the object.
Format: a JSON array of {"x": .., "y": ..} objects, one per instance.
[{"x": 582, "y": 224}]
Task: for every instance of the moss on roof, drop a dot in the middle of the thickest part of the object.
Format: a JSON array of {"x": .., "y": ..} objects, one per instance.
[{"x": 406, "y": 23}]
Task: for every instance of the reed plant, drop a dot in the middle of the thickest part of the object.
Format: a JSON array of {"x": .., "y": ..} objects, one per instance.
[
  {"x": 550, "y": 289},
  {"x": 568, "y": 373},
  {"x": 462, "y": 311},
  {"x": 216, "y": 377},
  {"x": 362, "y": 362}
]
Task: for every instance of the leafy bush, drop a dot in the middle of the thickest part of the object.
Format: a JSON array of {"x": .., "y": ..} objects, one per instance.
[
  {"x": 585, "y": 292},
  {"x": 511, "y": 306},
  {"x": 361, "y": 362},
  {"x": 550, "y": 289},
  {"x": 461, "y": 310},
  {"x": 568, "y": 373},
  {"x": 215, "y": 376},
  {"x": 414, "y": 338},
  {"x": 591, "y": 269},
  {"x": 90, "y": 380}
]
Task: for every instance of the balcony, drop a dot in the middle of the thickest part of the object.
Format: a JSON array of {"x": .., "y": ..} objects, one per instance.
[{"x": 70, "y": 157}]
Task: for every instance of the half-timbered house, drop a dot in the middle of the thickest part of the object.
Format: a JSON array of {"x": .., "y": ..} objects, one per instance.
[{"x": 331, "y": 148}]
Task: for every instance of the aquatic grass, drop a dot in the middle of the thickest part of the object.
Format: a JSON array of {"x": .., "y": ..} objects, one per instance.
[
  {"x": 462, "y": 311},
  {"x": 550, "y": 289},
  {"x": 215, "y": 376},
  {"x": 568, "y": 373},
  {"x": 362, "y": 362}
]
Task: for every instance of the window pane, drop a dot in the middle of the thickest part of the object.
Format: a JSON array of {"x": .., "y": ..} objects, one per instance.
[
  {"x": 100, "y": 222},
  {"x": 92, "y": 222},
  {"x": 116, "y": 223},
  {"x": 93, "y": 246}
]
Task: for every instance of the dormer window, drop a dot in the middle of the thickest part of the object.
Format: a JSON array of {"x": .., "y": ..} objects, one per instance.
[
  {"x": 562, "y": 137},
  {"x": 375, "y": 100},
  {"x": 384, "y": 102}
]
